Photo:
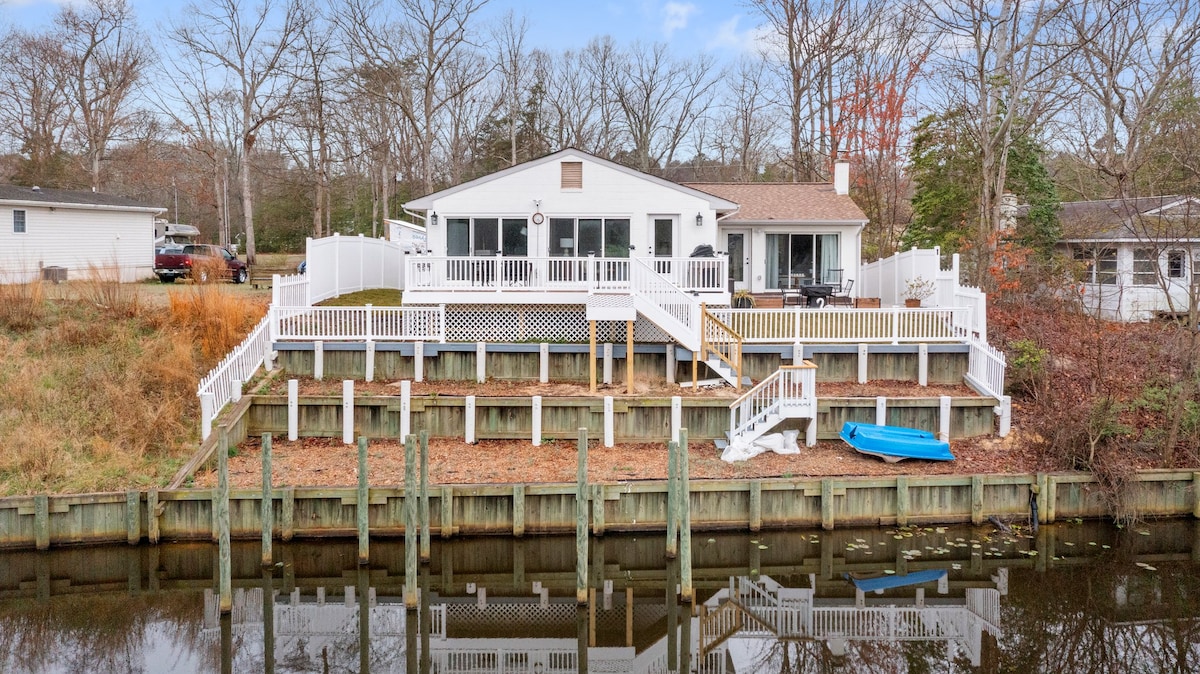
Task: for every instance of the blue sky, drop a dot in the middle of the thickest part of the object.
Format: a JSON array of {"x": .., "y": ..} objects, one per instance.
[{"x": 724, "y": 28}]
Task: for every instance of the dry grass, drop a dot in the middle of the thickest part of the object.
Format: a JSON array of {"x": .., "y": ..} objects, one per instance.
[
  {"x": 22, "y": 305},
  {"x": 98, "y": 393}
]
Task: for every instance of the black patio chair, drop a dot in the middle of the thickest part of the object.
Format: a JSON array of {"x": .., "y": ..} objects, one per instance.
[{"x": 842, "y": 298}]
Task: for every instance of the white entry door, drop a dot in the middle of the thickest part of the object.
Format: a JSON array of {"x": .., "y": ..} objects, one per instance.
[{"x": 737, "y": 244}]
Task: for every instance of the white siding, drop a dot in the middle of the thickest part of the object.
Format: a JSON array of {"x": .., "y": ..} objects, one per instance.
[
  {"x": 1125, "y": 301},
  {"x": 606, "y": 193},
  {"x": 76, "y": 238}
]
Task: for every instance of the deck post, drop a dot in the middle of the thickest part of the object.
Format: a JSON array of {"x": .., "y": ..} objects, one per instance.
[
  {"x": 797, "y": 353},
  {"x": 469, "y": 420},
  {"x": 364, "y": 502},
  {"x": 629, "y": 356},
  {"x": 671, "y": 364},
  {"x": 293, "y": 388},
  {"x": 347, "y": 411},
  {"x": 695, "y": 370},
  {"x": 944, "y": 409},
  {"x": 207, "y": 412},
  {"x": 369, "y": 375},
  {"x": 267, "y": 508},
  {"x": 480, "y": 362},
  {"x": 608, "y": 421},
  {"x": 419, "y": 361},
  {"x": 863, "y": 359},
  {"x": 592, "y": 356},
  {"x": 923, "y": 365},
  {"x": 581, "y": 520},
  {"x": 405, "y": 408},
  {"x": 536, "y": 419},
  {"x": 235, "y": 392},
  {"x": 607, "y": 377},
  {"x": 410, "y": 522}
]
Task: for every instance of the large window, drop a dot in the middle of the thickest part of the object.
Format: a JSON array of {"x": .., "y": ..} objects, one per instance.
[
  {"x": 18, "y": 222},
  {"x": 1096, "y": 265},
  {"x": 485, "y": 237},
  {"x": 808, "y": 258},
  {"x": 1145, "y": 267},
  {"x": 1176, "y": 264},
  {"x": 580, "y": 237}
]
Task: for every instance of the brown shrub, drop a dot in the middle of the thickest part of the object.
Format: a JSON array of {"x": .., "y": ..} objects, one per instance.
[
  {"x": 213, "y": 319},
  {"x": 22, "y": 305},
  {"x": 102, "y": 287}
]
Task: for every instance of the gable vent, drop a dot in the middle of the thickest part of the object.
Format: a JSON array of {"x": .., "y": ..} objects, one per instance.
[{"x": 572, "y": 175}]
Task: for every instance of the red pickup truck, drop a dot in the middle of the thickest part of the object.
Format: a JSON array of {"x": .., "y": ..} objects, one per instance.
[{"x": 196, "y": 259}]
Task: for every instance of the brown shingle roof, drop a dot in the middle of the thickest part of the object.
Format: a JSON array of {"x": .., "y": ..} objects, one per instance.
[
  {"x": 1130, "y": 219},
  {"x": 784, "y": 202}
]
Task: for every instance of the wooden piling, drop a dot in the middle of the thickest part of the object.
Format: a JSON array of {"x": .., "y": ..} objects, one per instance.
[
  {"x": 581, "y": 518},
  {"x": 41, "y": 522},
  {"x": 133, "y": 517},
  {"x": 424, "y": 514},
  {"x": 364, "y": 502},
  {"x": 687, "y": 593},
  {"x": 267, "y": 508},
  {"x": 268, "y": 619},
  {"x": 410, "y": 522},
  {"x": 672, "y": 499},
  {"x": 224, "y": 563}
]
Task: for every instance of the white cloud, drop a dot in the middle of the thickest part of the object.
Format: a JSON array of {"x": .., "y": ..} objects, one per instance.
[
  {"x": 727, "y": 36},
  {"x": 675, "y": 16}
]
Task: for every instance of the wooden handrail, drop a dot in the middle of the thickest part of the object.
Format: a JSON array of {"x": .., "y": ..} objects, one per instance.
[{"x": 707, "y": 318}]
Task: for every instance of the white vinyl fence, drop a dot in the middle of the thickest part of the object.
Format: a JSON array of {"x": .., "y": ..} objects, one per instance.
[
  {"x": 888, "y": 279},
  {"x": 345, "y": 264},
  {"x": 218, "y": 388}
]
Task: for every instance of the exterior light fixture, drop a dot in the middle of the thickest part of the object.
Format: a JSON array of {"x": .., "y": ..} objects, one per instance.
[
  {"x": 433, "y": 218},
  {"x": 699, "y": 219}
]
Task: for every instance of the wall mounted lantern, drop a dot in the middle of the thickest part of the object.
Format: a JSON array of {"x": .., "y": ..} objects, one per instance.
[{"x": 699, "y": 219}]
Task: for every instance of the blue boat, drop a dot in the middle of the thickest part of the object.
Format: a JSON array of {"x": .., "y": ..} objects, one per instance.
[
  {"x": 895, "y": 443},
  {"x": 901, "y": 580}
]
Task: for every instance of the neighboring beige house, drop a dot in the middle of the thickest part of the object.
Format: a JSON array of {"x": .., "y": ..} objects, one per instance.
[
  {"x": 75, "y": 232},
  {"x": 1137, "y": 258}
]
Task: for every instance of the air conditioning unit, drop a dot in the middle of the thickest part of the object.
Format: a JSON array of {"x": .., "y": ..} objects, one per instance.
[{"x": 54, "y": 274}]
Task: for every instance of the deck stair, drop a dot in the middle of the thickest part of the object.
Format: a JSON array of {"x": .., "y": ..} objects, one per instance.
[
  {"x": 665, "y": 304},
  {"x": 789, "y": 393}
]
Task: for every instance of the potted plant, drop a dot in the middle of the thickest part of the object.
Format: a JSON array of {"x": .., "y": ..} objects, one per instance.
[
  {"x": 916, "y": 289},
  {"x": 742, "y": 299}
]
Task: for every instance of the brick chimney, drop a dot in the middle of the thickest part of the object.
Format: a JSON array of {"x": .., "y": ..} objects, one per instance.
[{"x": 841, "y": 177}]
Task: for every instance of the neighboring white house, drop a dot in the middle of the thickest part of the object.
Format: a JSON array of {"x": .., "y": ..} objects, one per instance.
[
  {"x": 411, "y": 237},
  {"x": 1138, "y": 258},
  {"x": 78, "y": 231}
]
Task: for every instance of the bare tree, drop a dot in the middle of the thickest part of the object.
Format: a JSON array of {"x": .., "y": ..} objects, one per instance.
[
  {"x": 661, "y": 99},
  {"x": 34, "y": 106},
  {"x": 106, "y": 57},
  {"x": 512, "y": 62},
  {"x": 998, "y": 61},
  {"x": 746, "y": 122},
  {"x": 255, "y": 49}
]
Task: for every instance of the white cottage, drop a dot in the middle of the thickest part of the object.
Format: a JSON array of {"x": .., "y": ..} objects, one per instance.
[
  {"x": 1136, "y": 258},
  {"x": 75, "y": 232}
]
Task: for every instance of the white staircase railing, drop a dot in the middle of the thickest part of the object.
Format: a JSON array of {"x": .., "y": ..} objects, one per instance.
[
  {"x": 789, "y": 393},
  {"x": 665, "y": 304}
]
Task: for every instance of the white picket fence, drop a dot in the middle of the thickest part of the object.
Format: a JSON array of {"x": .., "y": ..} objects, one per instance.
[
  {"x": 290, "y": 291},
  {"x": 986, "y": 367},
  {"x": 217, "y": 389},
  {"x": 367, "y": 323}
]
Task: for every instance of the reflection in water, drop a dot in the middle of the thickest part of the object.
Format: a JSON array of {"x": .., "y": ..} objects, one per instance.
[{"x": 1074, "y": 598}]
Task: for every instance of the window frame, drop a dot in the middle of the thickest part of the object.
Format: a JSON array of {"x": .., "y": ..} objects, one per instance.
[
  {"x": 1177, "y": 264},
  {"x": 23, "y": 226},
  {"x": 607, "y": 233},
  {"x": 1144, "y": 271}
]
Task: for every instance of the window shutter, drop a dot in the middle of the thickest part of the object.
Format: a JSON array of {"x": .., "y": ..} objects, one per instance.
[{"x": 572, "y": 175}]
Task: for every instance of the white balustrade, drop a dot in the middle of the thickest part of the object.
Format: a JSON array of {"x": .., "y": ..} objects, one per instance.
[
  {"x": 360, "y": 323},
  {"x": 838, "y": 325},
  {"x": 548, "y": 274}
]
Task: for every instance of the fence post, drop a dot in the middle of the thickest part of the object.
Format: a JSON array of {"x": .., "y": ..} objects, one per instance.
[
  {"x": 207, "y": 403},
  {"x": 923, "y": 365},
  {"x": 369, "y": 321},
  {"x": 348, "y": 411},
  {"x": 608, "y": 421},
  {"x": 544, "y": 363},
  {"x": 369, "y": 375},
  {"x": 863, "y": 357},
  {"x": 881, "y": 410},
  {"x": 293, "y": 388},
  {"x": 1005, "y": 416},
  {"x": 944, "y": 418},
  {"x": 480, "y": 362},
  {"x": 274, "y": 322},
  {"x": 419, "y": 361},
  {"x": 895, "y": 325},
  {"x": 536, "y": 414},
  {"x": 469, "y": 421},
  {"x": 676, "y": 416},
  {"x": 318, "y": 360},
  {"x": 405, "y": 408}
]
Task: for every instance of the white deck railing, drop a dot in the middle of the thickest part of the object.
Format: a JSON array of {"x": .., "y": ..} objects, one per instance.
[
  {"x": 848, "y": 325},
  {"x": 789, "y": 392},
  {"x": 666, "y": 304},
  {"x": 986, "y": 366},
  {"x": 216, "y": 389},
  {"x": 553, "y": 274},
  {"x": 359, "y": 323}
]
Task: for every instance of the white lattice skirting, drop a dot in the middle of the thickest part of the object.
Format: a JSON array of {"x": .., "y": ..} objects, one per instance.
[{"x": 559, "y": 323}]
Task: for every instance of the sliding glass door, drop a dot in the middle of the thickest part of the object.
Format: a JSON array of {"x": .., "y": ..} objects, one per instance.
[{"x": 810, "y": 258}]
